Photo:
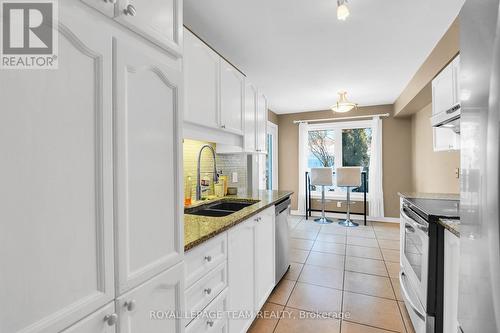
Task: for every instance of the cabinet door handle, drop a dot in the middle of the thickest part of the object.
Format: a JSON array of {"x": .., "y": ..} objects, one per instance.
[
  {"x": 130, "y": 305},
  {"x": 130, "y": 10},
  {"x": 207, "y": 291},
  {"x": 208, "y": 258},
  {"x": 111, "y": 319}
]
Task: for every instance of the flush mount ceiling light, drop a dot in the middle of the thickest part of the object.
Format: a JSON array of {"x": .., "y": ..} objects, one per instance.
[
  {"x": 342, "y": 10},
  {"x": 343, "y": 105}
]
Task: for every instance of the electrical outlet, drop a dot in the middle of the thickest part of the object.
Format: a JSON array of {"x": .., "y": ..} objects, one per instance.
[
  {"x": 235, "y": 177},
  {"x": 339, "y": 204}
]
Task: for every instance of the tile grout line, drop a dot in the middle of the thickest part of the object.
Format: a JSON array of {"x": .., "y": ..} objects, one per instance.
[{"x": 394, "y": 291}]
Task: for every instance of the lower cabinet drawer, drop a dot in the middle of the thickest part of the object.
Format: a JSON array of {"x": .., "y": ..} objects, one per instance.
[
  {"x": 199, "y": 295},
  {"x": 205, "y": 257},
  {"x": 213, "y": 319},
  {"x": 101, "y": 321}
]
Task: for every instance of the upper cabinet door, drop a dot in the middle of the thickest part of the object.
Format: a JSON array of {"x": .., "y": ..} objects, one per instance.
[
  {"x": 201, "y": 75},
  {"x": 145, "y": 308},
  {"x": 56, "y": 229},
  {"x": 261, "y": 123},
  {"x": 443, "y": 90},
  {"x": 232, "y": 97},
  {"x": 147, "y": 163},
  {"x": 157, "y": 20},
  {"x": 250, "y": 117}
]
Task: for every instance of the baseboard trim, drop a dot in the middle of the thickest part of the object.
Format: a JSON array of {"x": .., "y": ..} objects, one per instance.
[{"x": 353, "y": 217}]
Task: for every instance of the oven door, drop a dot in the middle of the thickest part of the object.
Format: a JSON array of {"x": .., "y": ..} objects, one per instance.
[{"x": 415, "y": 253}]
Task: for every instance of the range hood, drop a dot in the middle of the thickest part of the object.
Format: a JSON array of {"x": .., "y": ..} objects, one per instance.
[{"x": 448, "y": 119}]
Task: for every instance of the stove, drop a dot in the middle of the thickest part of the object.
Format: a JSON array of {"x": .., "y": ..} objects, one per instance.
[{"x": 431, "y": 209}]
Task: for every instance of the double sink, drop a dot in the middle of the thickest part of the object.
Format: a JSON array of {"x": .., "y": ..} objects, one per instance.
[{"x": 219, "y": 208}]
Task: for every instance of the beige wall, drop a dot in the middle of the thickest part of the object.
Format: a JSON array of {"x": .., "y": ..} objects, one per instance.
[
  {"x": 417, "y": 93},
  {"x": 272, "y": 117},
  {"x": 396, "y": 153},
  {"x": 431, "y": 171}
]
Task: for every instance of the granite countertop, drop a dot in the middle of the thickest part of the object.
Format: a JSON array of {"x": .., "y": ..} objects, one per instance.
[
  {"x": 436, "y": 196},
  {"x": 198, "y": 229},
  {"x": 453, "y": 225}
]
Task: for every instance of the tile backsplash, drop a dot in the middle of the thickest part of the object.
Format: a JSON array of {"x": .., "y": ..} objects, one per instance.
[{"x": 226, "y": 163}]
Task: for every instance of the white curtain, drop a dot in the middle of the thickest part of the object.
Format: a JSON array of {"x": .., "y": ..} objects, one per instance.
[
  {"x": 375, "y": 188},
  {"x": 303, "y": 148}
]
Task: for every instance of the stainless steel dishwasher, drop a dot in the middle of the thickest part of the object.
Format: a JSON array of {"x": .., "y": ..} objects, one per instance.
[{"x": 282, "y": 238}]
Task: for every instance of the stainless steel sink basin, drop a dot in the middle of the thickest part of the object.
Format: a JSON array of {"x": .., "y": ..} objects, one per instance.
[{"x": 219, "y": 209}]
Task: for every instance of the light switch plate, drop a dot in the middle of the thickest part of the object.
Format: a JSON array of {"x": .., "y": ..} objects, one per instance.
[
  {"x": 235, "y": 177},
  {"x": 339, "y": 204}
]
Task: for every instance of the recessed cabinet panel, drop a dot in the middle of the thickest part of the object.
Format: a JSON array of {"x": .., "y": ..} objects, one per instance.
[
  {"x": 250, "y": 117},
  {"x": 443, "y": 95},
  {"x": 264, "y": 257},
  {"x": 232, "y": 90},
  {"x": 157, "y": 20},
  {"x": 148, "y": 148},
  {"x": 241, "y": 268},
  {"x": 101, "y": 321},
  {"x": 201, "y": 73},
  {"x": 56, "y": 236},
  {"x": 147, "y": 308}
]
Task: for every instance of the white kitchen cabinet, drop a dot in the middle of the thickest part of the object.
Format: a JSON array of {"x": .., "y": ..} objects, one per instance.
[
  {"x": 102, "y": 321},
  {"x": 232, "y": 98},
  {"x": 148, "y": 145},
  {"x": 212, "y": 322},
  {"x": 451, "y": 274},
  {"x": 264, "y": 256},
  {"x": 159, "y": 21},
  {"x": 56, "y": 234},
  {"x": 201, "y": 73},
  {"x": 241, "y": 270},
  {"x": 250, "y": 139},
  {"x": 107, "y": 7},
  {"x": 261, "y": 124},
  {"x": 445, "y": 94},
  {"x": 148, "y": 307}
]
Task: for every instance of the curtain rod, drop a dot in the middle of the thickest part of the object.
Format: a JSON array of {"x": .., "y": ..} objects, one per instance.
[{"x": 340, "y": 119}]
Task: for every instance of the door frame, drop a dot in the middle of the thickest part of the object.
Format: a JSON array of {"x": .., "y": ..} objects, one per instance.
[{"x": 272, "y": 129}]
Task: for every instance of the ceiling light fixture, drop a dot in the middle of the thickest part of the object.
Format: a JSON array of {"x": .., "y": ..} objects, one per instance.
[
  {"x": 343, "y": 105},
  {"x": 342, "y": 10}
]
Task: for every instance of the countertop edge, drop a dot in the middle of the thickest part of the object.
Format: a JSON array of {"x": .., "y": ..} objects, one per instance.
[
  {"x": 452, "y": 225},
  {"x": 206, "y": 237},
  {"x": 436, "y": 196}
]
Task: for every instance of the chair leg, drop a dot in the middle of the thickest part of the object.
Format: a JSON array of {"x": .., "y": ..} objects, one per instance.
[
  {"x": 323, "y": 219},
  {"x": 347, "y": 222}
]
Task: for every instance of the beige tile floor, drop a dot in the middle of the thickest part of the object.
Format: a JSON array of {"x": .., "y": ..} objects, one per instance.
[{"x": 334, "y": 271}]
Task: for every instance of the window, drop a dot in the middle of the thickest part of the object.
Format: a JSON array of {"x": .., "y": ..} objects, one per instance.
[{"x": 340, "y": 144}]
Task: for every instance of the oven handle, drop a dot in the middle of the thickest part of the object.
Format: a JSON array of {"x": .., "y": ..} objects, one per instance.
[
  {"x": 407, "y": 296},
  {"x": 414, "y": 223}
]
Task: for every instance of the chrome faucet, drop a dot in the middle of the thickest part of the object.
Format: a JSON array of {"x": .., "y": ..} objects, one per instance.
[{"x": 198, "y": 171}]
